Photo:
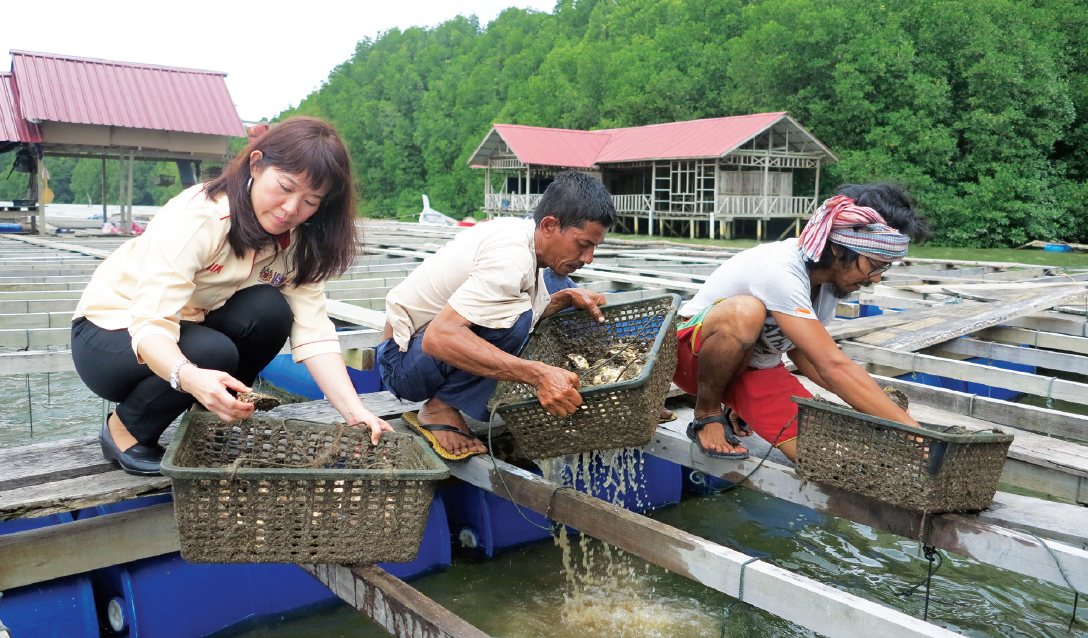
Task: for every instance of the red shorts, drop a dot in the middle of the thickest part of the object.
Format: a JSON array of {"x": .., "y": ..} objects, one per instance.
[{"x": 760, "y": 397}]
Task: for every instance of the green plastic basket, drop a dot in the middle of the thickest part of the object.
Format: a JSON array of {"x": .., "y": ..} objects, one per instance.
[
  {"x": 930, "y": 469},
  {"x": 620, "y": 414},
  {"x": 365, "y": 504}
]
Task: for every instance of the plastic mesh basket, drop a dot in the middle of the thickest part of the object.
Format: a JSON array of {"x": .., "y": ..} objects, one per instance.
[
  {"x": 621, "y": 414},
  {"x": 367, "y": 504},
  {"x": 924, "y": 469}
]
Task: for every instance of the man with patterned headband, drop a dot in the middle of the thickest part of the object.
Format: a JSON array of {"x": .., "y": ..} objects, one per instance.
[{"x": 775, "y": 299}]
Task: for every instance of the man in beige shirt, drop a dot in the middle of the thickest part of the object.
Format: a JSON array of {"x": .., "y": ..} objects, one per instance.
[{"x": 454, "y": 323}]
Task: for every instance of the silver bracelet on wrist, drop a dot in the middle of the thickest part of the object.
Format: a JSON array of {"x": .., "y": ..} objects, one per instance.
[{"x": 175, "y": 382}]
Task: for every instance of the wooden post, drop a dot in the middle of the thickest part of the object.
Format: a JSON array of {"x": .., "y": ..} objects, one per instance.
[
  {"x": 128, "y": 216},
  {"x": 393, "y": 604},
  {"x": 105, "y": 192},
  {"x": 816, "y": 193},
  {"x": 40, "y": 187},
  {"x": 759, "y": 229},
  {"x": 691, "y": 227}
]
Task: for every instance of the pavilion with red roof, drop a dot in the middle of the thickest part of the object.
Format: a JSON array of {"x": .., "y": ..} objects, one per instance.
[
  {"x": 698, "y": 176},
  {"x": 65, "y": 106}
]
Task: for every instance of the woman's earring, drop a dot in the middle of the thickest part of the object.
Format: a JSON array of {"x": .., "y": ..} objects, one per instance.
[{"x": 249, "y": 186}]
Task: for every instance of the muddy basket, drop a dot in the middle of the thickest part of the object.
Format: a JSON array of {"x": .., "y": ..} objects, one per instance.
[
  {"x": 302, "y": 492},
  {"x": 619, "y": 414},
  {"x": 930, "y": 469}
]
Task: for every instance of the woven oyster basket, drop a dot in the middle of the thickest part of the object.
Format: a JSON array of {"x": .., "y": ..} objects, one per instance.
[
  {"x": 360, "y": 504},
  {"x": 620, "y": 414},
  {"x": 930, "y": 469}
]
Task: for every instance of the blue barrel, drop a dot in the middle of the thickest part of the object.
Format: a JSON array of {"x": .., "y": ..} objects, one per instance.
[
  {"x": 284, "y": 373},
  {"x": 58, "y": 608},
  {"x": 434, "y": 551}
]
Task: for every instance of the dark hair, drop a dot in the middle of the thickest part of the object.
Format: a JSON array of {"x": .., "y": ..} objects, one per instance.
[
  {"x": 329, "y": 241},
  {"x": 893, "y": 203},
  {"x": 576, "y": 198}
]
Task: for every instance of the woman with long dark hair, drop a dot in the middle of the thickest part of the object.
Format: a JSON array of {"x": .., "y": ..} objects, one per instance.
[{"x": 201, "y": 302}]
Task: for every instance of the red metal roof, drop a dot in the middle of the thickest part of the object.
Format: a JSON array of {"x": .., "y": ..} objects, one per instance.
[
  {"x": 675, "y": 140},
  {"x": 697, "y": 138},
  {"x": 13, "y": 128},
  {"x": 85, "y": 91},
  {"x": 553, "y": 146}
]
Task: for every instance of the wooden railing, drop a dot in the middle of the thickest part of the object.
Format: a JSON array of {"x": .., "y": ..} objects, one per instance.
[
  {"x": 631, "y": 203},
  {"x": 505, "y": 202},
  {"x": 759, "y": 206}
]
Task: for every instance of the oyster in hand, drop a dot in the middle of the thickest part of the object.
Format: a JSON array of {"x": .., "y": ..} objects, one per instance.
[{"x": 262, "y": 402}]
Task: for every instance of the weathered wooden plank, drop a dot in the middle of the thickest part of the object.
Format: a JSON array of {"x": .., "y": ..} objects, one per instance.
[
  {"x": 984, "y": 537},
  {"x": 36, "y": 320},
  {"x": 355, "y": 315},
  {"x": 57, "y": 245},
  {"x": 76, "y": 493},
  {"x": 49, "y": 461},
  {"x": 853, "y": 328},
  {"x": 1036, "y": 338},
  {"x": 1050, "y": 387},
  {"x": 819, "y": 607},
  {"x": 1025, "y": 417},
  {"x": 1048, "y": 321},
  {"x": 954, "y": 322},
  {"x": 74, "y": 548},
  {"x": 1012, "y": 354},
  {"x": 36, "y": 362},
  {"x": 392, "y": 603}
]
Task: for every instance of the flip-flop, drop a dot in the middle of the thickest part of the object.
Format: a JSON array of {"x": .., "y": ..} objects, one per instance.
[
  {"x": 730, "y": 437},
  {"x": 427, "y": 431},
  {"x": 741, "y": 423},
  {"x": 667, "y": 419}
]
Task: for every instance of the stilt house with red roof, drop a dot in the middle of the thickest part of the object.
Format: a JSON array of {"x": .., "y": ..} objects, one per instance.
[
  {"x": 65, "y": 106},
  {"x": 698, "y": 176}
]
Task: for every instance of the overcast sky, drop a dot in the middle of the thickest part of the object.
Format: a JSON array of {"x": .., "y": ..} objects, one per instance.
[{"x": 274, "y": 52}]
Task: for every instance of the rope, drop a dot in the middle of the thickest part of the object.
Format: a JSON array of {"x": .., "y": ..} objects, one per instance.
[
  {"x": 1065, "y": 577},
  {"x": 495, "y": 465},
  {"x": 1049, "y": 400},
  {"x": 30, "y": 406},
  {"x": 321, "y": 459},
  {"x": 749, "y": 474},
  {"x": 740, "y": 593},
  {"x": 931, "y": 553}
]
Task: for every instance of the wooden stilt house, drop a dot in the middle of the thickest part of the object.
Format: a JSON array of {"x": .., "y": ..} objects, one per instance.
[{"x": 699, "y": 176}]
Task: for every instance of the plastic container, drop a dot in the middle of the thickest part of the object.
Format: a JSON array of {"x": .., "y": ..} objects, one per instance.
[{"x": 58, "y": 608}]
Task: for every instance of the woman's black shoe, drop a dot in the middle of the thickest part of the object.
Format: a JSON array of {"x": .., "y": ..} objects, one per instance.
[{"x": 139, "y": 459}]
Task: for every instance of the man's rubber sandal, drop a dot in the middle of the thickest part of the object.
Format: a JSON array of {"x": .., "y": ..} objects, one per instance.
[
  {"x": 427, "y": 432},
  {"x": 741, "y": 423},
  {"x": 667, "y": 419},
  {"x": 730, "y": 438}
]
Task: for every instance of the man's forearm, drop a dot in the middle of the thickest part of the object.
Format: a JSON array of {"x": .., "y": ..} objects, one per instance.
[
  {"x": 463, "y": 349},
  {"x": 851, "y": 383}
]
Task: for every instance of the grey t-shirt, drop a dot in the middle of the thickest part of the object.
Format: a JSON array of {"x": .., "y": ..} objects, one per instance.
[{"x": 776, "y": 275}]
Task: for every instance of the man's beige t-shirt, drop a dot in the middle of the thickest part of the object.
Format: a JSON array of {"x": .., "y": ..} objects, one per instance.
[{"x": 488, "y": 274}]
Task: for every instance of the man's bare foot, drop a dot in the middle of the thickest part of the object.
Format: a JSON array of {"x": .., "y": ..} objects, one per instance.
[
  {"x": 122, "y": 438},
  {"x": 437, "y": 411},
  {"x": 712, "y": 437}
]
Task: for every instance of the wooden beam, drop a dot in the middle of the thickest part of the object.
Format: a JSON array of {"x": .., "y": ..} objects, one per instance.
[
  {"x": 356, "y": 315},
  {"x": 983, "y": 537},
  {"x": 955, "y": 321},
  {"x": 1049, "y": 387},
  {"x": 1013, "y": 354},
  {"x": 392, "y": 603},
  {"x": 1036, "y": 338},
  {"x": 1025, "y": 417},
  {"x": 821, "y": 608},
  {"x": 84, "y": 545},
  {"x": 75, "y": 248}
]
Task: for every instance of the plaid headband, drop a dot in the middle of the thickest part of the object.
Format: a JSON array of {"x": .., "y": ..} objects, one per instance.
[{"x": 859, "y": 228}]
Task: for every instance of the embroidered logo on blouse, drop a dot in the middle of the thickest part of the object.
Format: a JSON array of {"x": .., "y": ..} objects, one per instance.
[
  {"x": 269, "y": 276},
  {"x": 215, "y": 268}
]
